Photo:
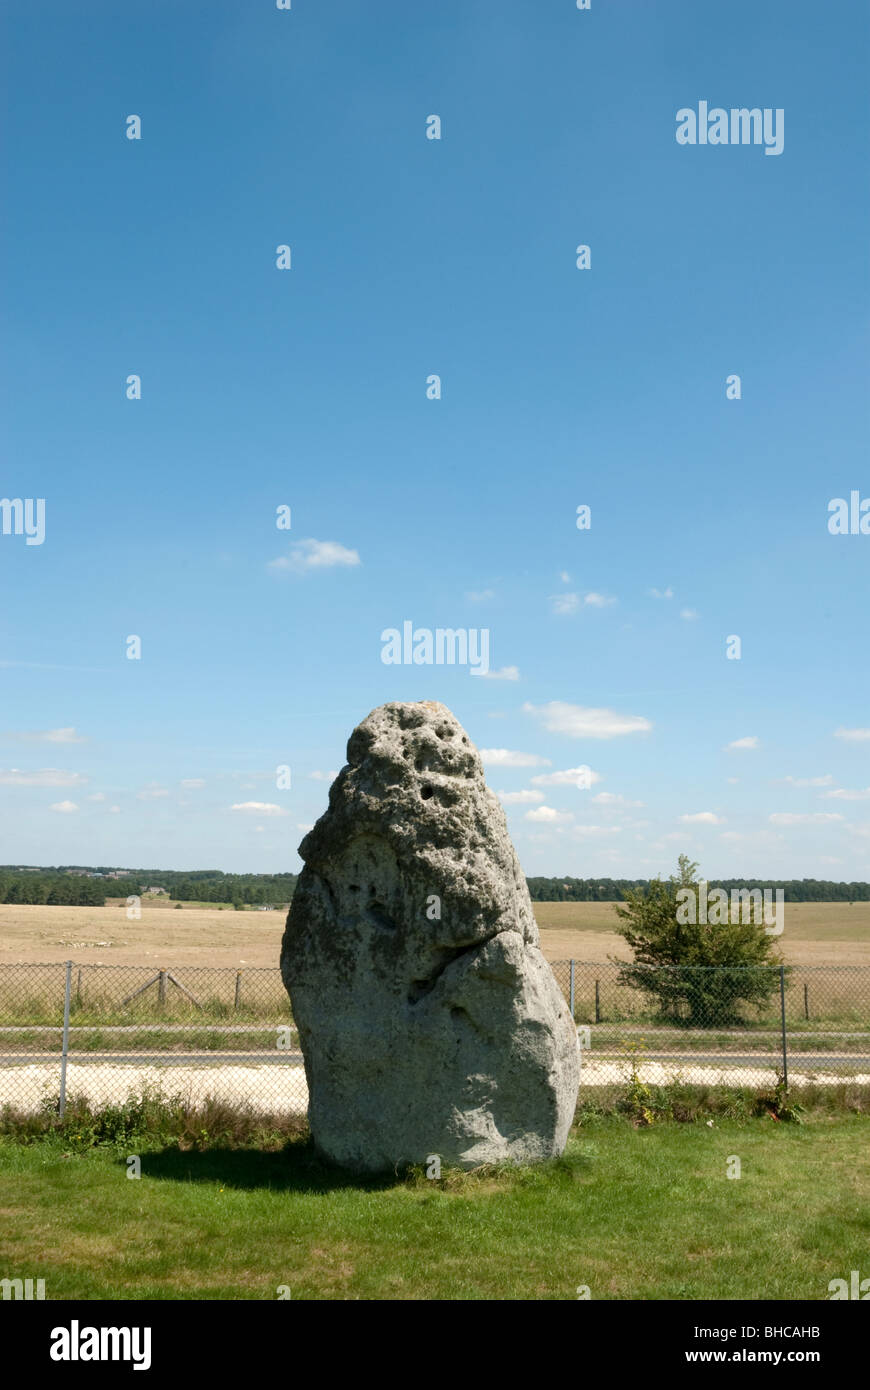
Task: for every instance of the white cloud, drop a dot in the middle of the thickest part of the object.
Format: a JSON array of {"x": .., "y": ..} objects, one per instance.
[
  {"x": 259, "y": 808},
  {"x": 751, "y": 741},
  {"x": 97, "y": 796},
  {"x": 65, "y": 808},
  {"x": 506, "y": 757},
  {"x": 507, "y": 673},
  {"x": 853, "y": 735},
  {"x": 115, "y": 810},
  {"x": 565, "y": 603},
  {"x": 613, "y": 799},
  {"x": 480, "y": 595},
  {"x": 579, "y": 721},
  {"x": 545, "y": 815},
  {"x": 795, "y": 818},
  {"x": 152, "y": 792},
  {"x": 568, "y": 777},
  {"x": 662, "y": 593},
  {"x": 569, "y": 603},
  {"x": 49, "y": 736},
  {"x": 520, "y": 798},
  {"x": 301, "y": 826},
  {"x": 191, "y": 782},
  {"x": 45, "y": 777},
  {"x": 597, "y": 830},
  {"x": 810, "y": 781},
  {"x": 703, "y": 818},
  {"x": 689, "y": 614},
  {"x": 842, "y": 794},
  {"x": 315, "y": 555},
  {"x": 731, "y": 835},
  {"x": 565, "y": 576},
  {"x": 318, "y": 776}
]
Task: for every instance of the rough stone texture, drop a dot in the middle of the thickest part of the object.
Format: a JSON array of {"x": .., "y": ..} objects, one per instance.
[{"x": 423, "y": 1036}]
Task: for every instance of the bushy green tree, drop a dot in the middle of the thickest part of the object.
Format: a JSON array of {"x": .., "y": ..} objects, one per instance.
[{"x": 700, "y": 972}]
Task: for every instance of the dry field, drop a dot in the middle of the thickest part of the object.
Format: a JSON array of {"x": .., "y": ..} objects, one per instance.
[
  {"x": 815, "y": 934},
  {"x": 103, "y": 935}
]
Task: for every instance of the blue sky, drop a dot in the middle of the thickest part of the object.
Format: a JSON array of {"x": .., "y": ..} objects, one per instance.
[{"x": 560, "y": 387}]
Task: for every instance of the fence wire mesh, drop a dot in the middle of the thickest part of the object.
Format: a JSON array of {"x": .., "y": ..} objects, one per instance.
[
  {"x": 188, "y": 1032},
  {"x": 720, "y": 1025},
  {"x": 102, "y": 1033}
]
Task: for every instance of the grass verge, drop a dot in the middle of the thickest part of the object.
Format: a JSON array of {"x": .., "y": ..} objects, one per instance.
[{"x": 230, "y": 1207}]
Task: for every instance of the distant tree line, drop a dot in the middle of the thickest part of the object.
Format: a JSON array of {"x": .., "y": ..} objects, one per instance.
[
  {"x": 592, "y": 890},
  {"x": 69, "y": 885},
  {"x": 581, "y": 890},
  {"x": 48, "y": 886},
  {"x": 229, "y": 888}
]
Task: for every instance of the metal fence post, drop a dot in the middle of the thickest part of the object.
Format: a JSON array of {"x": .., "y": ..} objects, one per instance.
[
  {"x": 597, "y": 1004},
  {"x": 571, "y": 987},
  {"x": 806, "y": 1001},
  {"x": 65, "y": 1042},
  {"x": 784, "y": 1034},
  {"x": 238, "y": 994}
]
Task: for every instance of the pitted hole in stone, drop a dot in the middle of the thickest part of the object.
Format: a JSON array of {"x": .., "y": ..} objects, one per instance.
[
  {"x": 427, "y": 792},
  {"x": 444, "y": 731},
  {"x": 381, "y": 918},
  {"x": 446, "y": 956}
]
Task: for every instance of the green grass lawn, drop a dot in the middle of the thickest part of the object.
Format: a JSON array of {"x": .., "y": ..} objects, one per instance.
[{"x": 632, "y": 1213}]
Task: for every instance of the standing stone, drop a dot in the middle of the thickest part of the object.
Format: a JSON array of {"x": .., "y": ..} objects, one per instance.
[{"x": 429, "y": 1020}]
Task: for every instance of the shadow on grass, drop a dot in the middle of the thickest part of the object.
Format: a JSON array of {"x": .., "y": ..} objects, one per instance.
[
  {"x": 296, "y": 1168},
  {"x": 299, "y": 1168}
]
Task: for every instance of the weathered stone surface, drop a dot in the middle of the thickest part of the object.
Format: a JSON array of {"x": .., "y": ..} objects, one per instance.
[{"x": 429, "y": 1020}]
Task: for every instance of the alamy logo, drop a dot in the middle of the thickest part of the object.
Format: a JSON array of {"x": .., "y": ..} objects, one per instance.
[
  {"x": 102, "y": 1344},
  {"x": 740, "y": 126},
  {"x": 857, "y": 1288},
  {"x": 746, "y": 905},
  {"x": 18, "y": 518},
  {"x": 446, "y": 646},
  {"x": 849, "y": 518},
  {"x": 22, "y": 1289}
]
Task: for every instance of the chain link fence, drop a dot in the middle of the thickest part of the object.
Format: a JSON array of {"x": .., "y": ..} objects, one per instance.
[
  {"x": 102, "y": 1033},
  {"x": 720, "y": 1025}
]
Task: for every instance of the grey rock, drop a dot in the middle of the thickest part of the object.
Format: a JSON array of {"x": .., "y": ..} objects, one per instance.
[{"x": 429, "y": 1020}]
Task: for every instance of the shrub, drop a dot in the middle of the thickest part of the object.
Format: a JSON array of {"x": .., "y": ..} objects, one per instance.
[{"x": 698, "y": 971}]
